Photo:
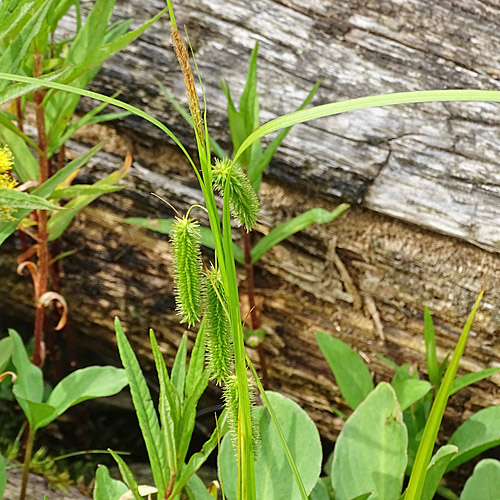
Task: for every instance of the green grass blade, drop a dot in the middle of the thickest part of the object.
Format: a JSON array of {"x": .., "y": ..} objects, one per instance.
[
  {"x": 102, "y": 98},
  {"x": 285, "y": 230},
  {"x": 422, "y": 459},
  {"x": 366, "y": 102},
  {"x": 197, "y": 361},
  {"x": 127, "y": 475},
  {"x": 256, "y": 168},
  {"x": 430, "y": 350},
  {"x": 289, "y": 457},
  {"x": 178, "y": 374},
  {"x": 146, "y": 414},
  {"x": 471, "y": 378}
]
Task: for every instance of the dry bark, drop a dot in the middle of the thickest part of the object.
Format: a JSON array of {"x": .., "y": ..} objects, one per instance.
[{"x": 423, "y": 180}]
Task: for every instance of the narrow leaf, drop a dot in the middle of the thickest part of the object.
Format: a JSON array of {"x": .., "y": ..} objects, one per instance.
[
  {"x": 178, "y": 374},
  {"x": 436, "y": 470},
  {"x": 471, "y": 378},
  {"x": 419, "y": 471},
  {"x": 127, "y": 475},
  {"x": 430, "y": 350},
  {"x": 350, "y": 371},
  {"x": 285, "y": 230},
  {"x": 146, "y": 414},
  {"x": 22, "y": 200}
]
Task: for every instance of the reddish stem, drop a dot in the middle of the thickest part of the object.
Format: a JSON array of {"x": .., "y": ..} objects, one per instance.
[
  {"x": 43, "y": 244},
  {"x": 254, "y": 317}
]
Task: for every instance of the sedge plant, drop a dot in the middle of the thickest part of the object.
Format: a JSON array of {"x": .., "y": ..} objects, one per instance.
[{"x": 245, "y": 487}]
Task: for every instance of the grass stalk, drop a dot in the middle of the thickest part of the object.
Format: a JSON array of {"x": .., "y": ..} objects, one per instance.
[{"x": 27, "y": 460}]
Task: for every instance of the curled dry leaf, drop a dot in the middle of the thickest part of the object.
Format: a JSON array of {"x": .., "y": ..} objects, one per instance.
[
  {"x": 33, "y": 270},
  {"x": 6, "y": 374},
  {"x": 47, "y": 298},
  {"x": 143, "y": 491},
  {"x": 27, "y": 185}
]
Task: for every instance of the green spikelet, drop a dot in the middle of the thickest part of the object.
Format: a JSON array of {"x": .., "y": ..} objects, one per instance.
[
  {"x": 242, "y": 198},
  {"x": 219, "y": 345},
  {"x": 232, "y": 402},
  {"x": 185, "y": 238}
]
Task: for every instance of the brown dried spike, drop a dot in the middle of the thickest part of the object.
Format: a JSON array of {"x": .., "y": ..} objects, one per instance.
[{"x": 183, "y": 57}]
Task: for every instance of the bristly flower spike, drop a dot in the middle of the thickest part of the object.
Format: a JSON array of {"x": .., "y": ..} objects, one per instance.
[
  {"x": 219, "y": 345},
  {"x": 243, "y": 200},
  {"x": 185, "y": 238},
  {"x": 6, "y": 180}
]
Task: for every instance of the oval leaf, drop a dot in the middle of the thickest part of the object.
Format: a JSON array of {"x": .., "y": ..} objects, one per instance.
[
  {"x": 370, "y": 453},
  {"x": 484, "y": 483},
  {"x": 477, "y": 434},
  {"x": 436, "y": 469},
  {"x": 107, "y": 488},
  {"x": 351, "y": 373},
  {"x": 275, "y": 479}
]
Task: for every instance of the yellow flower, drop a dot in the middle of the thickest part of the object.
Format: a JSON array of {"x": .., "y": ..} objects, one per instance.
[{"x": 6, "y": 180}]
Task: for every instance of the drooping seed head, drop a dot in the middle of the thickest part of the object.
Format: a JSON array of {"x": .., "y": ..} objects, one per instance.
[
  {"x": 243, "y": 200},
  {"x": 185, "y": 238},
  {"x": 219, "y": 342}
]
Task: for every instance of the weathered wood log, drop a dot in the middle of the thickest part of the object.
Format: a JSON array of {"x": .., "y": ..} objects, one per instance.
[{"x": 365, "y": 278}]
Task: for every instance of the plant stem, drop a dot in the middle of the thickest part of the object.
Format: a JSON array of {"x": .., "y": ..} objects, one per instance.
[
  {"x": 43, "y": 244},
  {"x": 27, "y": 460},
  {"x": 254, "y": 317}
]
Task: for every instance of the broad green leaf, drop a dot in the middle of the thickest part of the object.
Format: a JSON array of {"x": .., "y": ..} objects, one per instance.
[
  {"x": 259, "y": 163},
  {"x": 87, "y": 383},
  {"x": 274, "y": 478},
  {"x": 83, "y": 189},
  {"x": 285, "y": 230},
  {"x": 419, "y": 471},
  {"x": 364, "y": 496},
  {"x": 58, "y": 223},
  {"x": 163, "y": 226},
  {"x": 127, "y": 475},
  {"x": 320, "y": 491},
  {"x": 436, "y": 470},
  {"x": 45, "y": 190},
  {"x": 350, "y": 371},
  {"x": 25, "y": 165},
  {"x": 471, "y": 378},
  {"x": 199, "y": 458},
  {"x": 22, "y": 200},
  {"x": 36, "y": 413},
  {"x": 169, "y": 406},
  {"x": 484, "y": 483},
  {"x": 146, "y": 414},
  {"x": 29, "y": 383},
  {"x": 370, "y": 452},
  {"x": 6, "y": 349},
  {"x": 430, "y": 349},
  {"x": 11, "y": 22},
  {"x": 107, "y": 488},
  {"x": 178, "y": 374},
  {"x": 477, "y": 434},
  {"x": 3, "y": 476},
  {"x": 409, "y": 390}
]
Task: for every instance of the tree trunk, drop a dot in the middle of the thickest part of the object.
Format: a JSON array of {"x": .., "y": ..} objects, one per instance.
[{"x": 423, "y": 181}]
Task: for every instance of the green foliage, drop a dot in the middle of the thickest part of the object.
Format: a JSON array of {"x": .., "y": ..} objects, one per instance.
[
  {"x": 219, "y": 343},
  {"x": 274, "y": 478},
  {"x": 167, "y": 439},
  {"x": 187, "y": 269},
  {"x": 484, "y": 482},
  {"x": 230, "y": 180},
  {"x": 351, "y": 374},
  {"x": 370, "y": 453},
  {"x": 107, "y": 488},
  {"x": 3, "y": 476}
]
